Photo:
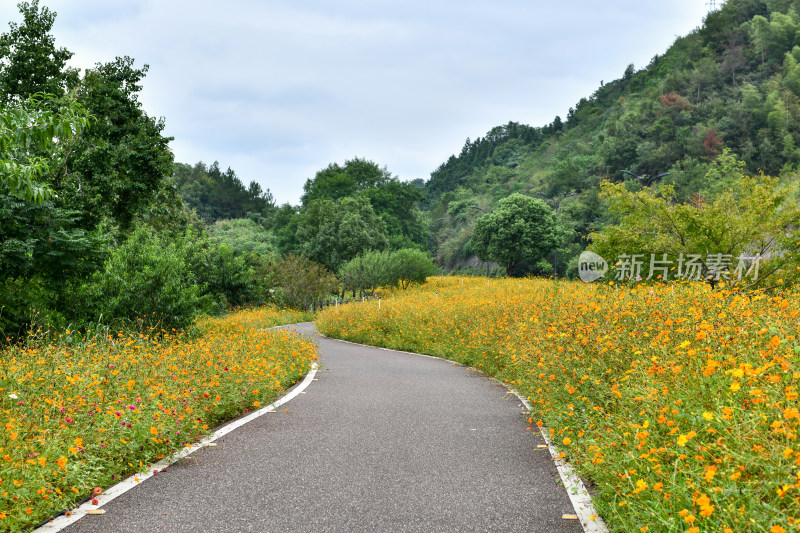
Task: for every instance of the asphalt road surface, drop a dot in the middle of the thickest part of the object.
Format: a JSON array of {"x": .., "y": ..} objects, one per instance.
[{"x": 382, "y": 441}]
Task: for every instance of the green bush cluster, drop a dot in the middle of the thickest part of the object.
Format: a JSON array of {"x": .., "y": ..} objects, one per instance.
[
  {"x": 299, "y": 281},
  {"x": 146, "y": 278},
  {"x": 374, "y": 269}
]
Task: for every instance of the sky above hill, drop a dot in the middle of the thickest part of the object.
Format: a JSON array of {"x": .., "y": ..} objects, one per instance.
[{"x": 279, "y": 89}]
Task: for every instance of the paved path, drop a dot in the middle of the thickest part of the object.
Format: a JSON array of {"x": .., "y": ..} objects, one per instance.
[{"x": 382, "y": 441}]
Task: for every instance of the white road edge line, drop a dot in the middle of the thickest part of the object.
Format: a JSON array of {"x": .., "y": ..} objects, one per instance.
[
  {"x": 576, "y": 490},
  {"x": 124, "y": 486}
]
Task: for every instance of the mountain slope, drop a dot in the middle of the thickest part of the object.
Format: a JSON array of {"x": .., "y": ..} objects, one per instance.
[{"x": 732, "y": 84}]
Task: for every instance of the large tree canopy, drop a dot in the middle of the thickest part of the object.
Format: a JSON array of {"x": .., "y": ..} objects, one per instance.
[
  {"x": 120, "y": 163},
  {"x": 332, "y": 233},
  {"x": 73, "y": 176},
  {"x": 338, "y": 181},
  {"x": 394, "y": 201},
  {"x": 521, "y": 228}
]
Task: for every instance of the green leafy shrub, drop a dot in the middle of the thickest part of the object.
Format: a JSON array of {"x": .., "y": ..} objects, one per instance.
[
  {"x": 411, "y": 266},
  {"x": 226, "y": 277},
  {"x": 300, "y": 281},
  {"x": 147, "y": 279},
  {"x": 371, "y": 270},
  {"x": 245, "y": 236},
  {"x": 367, "y": 272}
]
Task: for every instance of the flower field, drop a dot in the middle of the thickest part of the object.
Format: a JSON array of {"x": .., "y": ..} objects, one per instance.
[
  {"x": 87, "y": 411},
  {"x": 678, "y": 404}
]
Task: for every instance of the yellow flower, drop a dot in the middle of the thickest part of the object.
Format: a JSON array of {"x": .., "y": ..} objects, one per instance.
[{"x": 708, "y": 416}]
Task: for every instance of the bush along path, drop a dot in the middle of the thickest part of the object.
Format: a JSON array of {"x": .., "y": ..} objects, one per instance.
[{"x": 380, "y": 441}]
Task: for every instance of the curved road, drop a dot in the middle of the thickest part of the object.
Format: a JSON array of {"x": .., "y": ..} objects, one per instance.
[{"x": 382, "y": 441}]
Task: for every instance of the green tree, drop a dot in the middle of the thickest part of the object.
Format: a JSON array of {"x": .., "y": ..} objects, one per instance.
[
  {"x": 521, "y": 228},
  {"x": 218, "y": 195},
  {"x": 367, "y": 272},
  {"x": 299, "y": 282},
  {"x": 244, "y": 236},
  {"x": 30, "y": 63},
  {"x": 332, "y": 233},
  {"x": 339, "y": 181},
  {"x": 283, "y": 222},
  {"x": 411, "y": 266},
  {"x": 41, "y": 244},
  {"x": 226, "y": 277},
  {"x": 392, "y": 200},
  {"x": 31, "y": 137},
  {"x": 395, "y": 203},
  {"x": 119, "y": 165},
  {"x": 759, "y": 29}
]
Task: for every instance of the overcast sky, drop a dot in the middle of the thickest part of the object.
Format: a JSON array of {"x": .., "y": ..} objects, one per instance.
[{"x": 277, "y": 89}]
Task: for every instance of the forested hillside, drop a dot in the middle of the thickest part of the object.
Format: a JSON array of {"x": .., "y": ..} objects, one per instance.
[
  {"x": 731, "y": 84},
  {"x": 218, "y": 195}
]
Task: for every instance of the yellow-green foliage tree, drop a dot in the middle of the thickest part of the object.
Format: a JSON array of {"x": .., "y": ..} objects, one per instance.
[{"x": 745, "y": 236}]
